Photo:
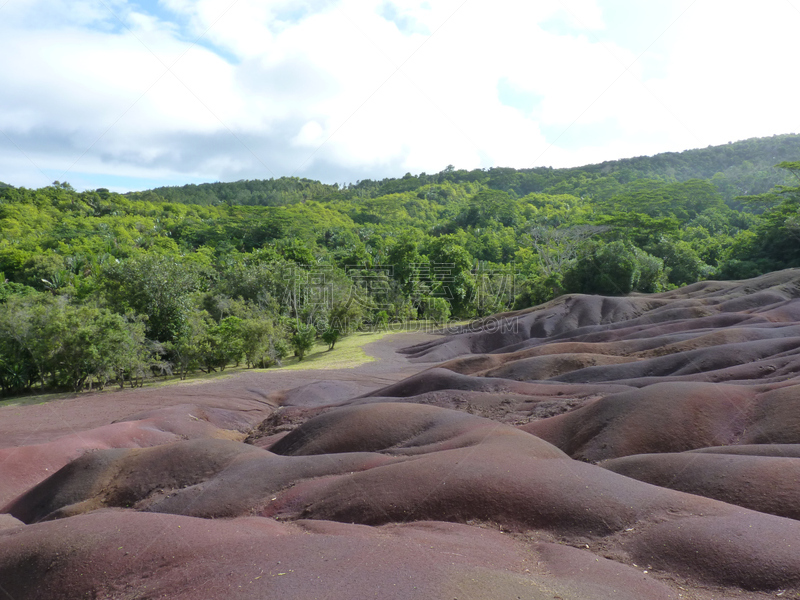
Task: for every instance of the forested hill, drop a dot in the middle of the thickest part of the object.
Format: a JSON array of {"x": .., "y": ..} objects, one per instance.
[
  {"x": 258, "y": 192},
  {"x": 736, "y": 169},
  {"x": 97, "y": 286}
]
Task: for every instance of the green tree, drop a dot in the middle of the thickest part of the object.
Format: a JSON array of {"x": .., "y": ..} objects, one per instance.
[
  {"x": 186, "y": 349},
  {"x": 681, "y": 261},
  {"x": 99, "y": 344},
  {"x": 330, "y": 336},
  {"x": 488, "y": 208},
  {"x": 29, "y": 328},
  {"x": 557, "y": 249},
  {"x": 257, "y": 335},
  {"x": 346, "y": 316},
  {"x": 223, "y": 344},
  {"x": 303, "y": 339},
  {"x": 538, "y": 289},
  {"x": 778, "y": 231},
  {"x": 158, "y": 287},
  {"x": 615, "y": 269},
  {"x": 381, "y": 319},
  {"x": 9, "y": 289},
  {"x": 451, "y": 272},
  {"x": 437, "y": 310},
  {"x": 45, "y": 338},
  {"x": 405, "y": 261}
]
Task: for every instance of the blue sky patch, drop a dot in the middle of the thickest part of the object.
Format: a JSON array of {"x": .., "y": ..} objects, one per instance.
[
  {"x": 156, "y": 9},
  {"x": 292, "y": 14},
  {"x": 510, "y": 95},
  {"x": 643, "y": 28},
  {"x": 580, "y": 135},
  {"x": 404, "y": 23}
]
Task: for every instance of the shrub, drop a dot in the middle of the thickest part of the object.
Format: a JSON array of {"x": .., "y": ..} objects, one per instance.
[{"x": 303, "y": 339}]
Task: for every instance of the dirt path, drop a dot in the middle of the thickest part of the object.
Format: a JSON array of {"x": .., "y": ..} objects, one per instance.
[{"x": 244, "y": 391}]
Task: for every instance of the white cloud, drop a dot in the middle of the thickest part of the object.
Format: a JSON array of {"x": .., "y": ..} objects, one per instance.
[
  {"x": 728, "y": 74},
  {"x": 311, "y": 135},
  {"x": 348, "y": 89}
]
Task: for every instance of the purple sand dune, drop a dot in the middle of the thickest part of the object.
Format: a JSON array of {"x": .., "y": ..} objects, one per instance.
[
  {"x": 395, "y": 463},
  {"x": 125, "y": 554},
  {"x": 468, "y": 479},
  {"x": 768, "y": 484}
]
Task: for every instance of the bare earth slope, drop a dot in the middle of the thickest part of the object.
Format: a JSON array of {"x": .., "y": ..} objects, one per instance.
[{"x": 590, "y": 448}]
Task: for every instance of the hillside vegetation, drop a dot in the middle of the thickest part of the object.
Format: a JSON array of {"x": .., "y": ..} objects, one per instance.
[{"x": 100, "y": 287}]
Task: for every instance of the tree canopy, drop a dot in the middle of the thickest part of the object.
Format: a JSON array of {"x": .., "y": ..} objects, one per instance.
[{"x": 101, "y": 287}]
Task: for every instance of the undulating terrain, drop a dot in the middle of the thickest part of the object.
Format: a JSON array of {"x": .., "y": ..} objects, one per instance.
[{"x": 645, "y": 446}]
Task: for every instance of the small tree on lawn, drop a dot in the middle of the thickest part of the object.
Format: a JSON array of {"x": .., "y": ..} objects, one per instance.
[
  {"x": 330, "y": 337},
  {"x": 303, "y": 339}
]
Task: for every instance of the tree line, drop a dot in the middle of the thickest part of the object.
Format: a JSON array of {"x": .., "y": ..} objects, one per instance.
[{"x": 99, "y": 288}]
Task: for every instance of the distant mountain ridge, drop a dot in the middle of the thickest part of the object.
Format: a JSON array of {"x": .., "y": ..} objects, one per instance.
[{"x": 737, "y": 169}]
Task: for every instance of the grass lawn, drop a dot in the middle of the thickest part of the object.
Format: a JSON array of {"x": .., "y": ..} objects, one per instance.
[{"x": 348, "y": 352}]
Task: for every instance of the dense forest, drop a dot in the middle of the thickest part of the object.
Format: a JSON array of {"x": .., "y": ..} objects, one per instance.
[{"x": 100, "y": 288}]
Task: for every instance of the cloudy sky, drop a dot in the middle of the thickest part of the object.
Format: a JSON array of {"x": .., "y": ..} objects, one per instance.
[{"x": 131, "y": 94}]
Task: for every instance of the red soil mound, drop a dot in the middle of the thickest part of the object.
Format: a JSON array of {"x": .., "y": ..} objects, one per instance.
[
  {"x": 666, "y": 417},
  {"x": 549, "y": 367},
  {"x": 785, "y": 450},
  {"x": 767, "y": 484},
  {"x": 24, "y": 466},
  {"x": 691, "y": 398},
  {"x": 120, "y": 477},
  {"x": 136, "y": 555},
  {"x": 399, "y": 429},
  {"x": 762, "y": 301},
  {"x": 383, "y": 463}
]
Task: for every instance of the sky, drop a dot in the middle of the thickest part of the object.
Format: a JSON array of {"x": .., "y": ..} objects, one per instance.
[{"x": 136, "y": 94}]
